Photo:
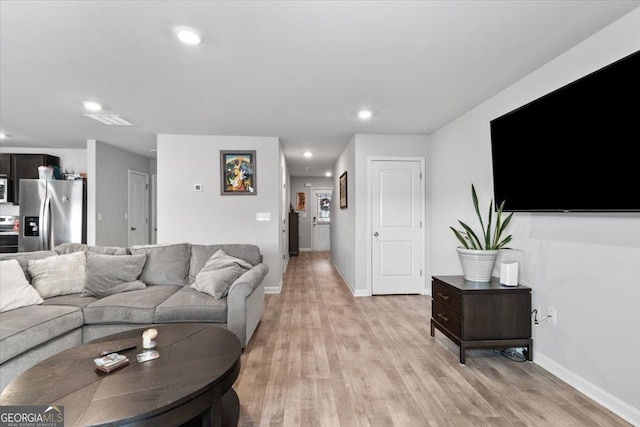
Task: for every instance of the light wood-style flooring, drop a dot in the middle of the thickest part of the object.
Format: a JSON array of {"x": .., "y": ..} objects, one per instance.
[{"x": 321, "y": 357}]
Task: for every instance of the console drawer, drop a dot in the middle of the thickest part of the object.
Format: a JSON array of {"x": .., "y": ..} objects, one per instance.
[
  {"x": 447, "y": 318},
  {"x": 447, "y": 296}
]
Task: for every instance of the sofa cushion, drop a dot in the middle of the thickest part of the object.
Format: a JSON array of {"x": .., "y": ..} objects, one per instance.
[
  {"x": 68, "y": 248},
  {"x": 15, "y": 291},
  {"x": 129, "y": 307},
  {"x": 27, "y": 327},
  {"x": 74, "y": 300},
  {"x": 220, "y": 271},
  {"x": 58, "y": 275},
  {"x": 24, "y": 258},
  {"x": 200, "y": 254},
  {"x": 166, "y": 264},
  {"x": 189, "y": 305},
  {"x": 108, "y": 274}
]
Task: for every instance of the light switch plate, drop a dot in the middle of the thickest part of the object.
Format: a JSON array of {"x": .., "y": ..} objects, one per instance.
[{"x": 263, "y": 216}]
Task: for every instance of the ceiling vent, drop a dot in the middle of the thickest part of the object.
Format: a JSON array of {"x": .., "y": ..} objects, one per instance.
[{"x": 109, "y": 119}]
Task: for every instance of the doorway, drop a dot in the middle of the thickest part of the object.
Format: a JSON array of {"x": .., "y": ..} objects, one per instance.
[
  {"x": 138, "y": 208},
  {"x": 321, "y": 219},
  {"x": 397, "y": 233}
]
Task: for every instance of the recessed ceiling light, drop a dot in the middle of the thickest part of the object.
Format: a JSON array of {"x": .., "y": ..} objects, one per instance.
[
  {"x": 92, "y": 106},
  {"x": 365, "y": 114},
  {"x": 187, "y": 35},
  {"x": 308, "y": 154},
  {"x": 306, "y": 168},
  {"x": 2, "y": 136},
  {"x": 327, "y": 173}
]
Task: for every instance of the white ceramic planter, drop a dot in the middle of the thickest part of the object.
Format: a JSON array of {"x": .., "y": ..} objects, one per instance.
[{"x": 477, "y": 265}]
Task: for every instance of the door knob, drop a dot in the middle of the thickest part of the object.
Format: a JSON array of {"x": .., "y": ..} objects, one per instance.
[
  {"x": 133, "y": 229},
  {"x": 375, "y": 234}
]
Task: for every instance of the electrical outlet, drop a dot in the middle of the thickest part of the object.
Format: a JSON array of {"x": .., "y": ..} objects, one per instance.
[{"x": 553, "y": 316}]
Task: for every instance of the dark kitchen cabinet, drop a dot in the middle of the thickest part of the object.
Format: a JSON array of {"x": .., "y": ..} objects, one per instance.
[
  {"x": 8, "y": 243},
  {"x": 5, "y": 165},
  {"x": 25, "y": 166}
]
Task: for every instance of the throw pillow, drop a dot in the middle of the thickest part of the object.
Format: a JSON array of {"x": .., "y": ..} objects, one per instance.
[
  {"x": 58, "y": 275},
  {"x": 217, "y": 275},
  {"x": 15, "y": 290},
  {"x": 110, "y": 274}
]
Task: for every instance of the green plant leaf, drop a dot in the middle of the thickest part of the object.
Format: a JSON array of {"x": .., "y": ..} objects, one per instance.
[
  {"x": 459, "y": 236},
  {"x": 492, "y": 234},
  {"x": 473, "y": 239}
]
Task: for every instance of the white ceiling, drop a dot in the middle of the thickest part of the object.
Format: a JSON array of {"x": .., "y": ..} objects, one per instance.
[{"x": 298, "y": 70}]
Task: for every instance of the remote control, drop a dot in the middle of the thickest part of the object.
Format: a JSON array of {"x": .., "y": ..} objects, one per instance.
[{"x": 117, "y": 350}]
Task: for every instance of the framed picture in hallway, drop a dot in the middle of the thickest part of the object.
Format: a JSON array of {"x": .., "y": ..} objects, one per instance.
[
  {"x": 301, "y": 201},
  {"x": 343, "y": 190},
  {"x": 238, "y": 173}
]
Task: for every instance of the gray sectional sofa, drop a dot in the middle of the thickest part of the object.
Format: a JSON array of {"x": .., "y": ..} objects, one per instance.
[{"x": 32, "y": 333}]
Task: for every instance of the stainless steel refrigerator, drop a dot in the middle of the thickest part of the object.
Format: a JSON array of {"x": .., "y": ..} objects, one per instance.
[{"x": 51, "y": 212}]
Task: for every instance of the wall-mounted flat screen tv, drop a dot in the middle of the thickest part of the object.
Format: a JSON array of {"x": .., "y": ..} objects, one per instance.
[{"x": 574, "y": 149}]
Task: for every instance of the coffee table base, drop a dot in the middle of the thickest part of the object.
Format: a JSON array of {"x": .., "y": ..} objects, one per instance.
[{"x": 230, "y": 413}]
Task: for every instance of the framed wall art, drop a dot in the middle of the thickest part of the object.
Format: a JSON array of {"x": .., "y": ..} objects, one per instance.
[
  {"x": 238, "y": 173},
  {"x": 343, "y": 190},
  {"x": 301, "y": 201}
]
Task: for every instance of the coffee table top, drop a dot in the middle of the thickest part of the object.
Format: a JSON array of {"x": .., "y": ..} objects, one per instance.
[{"x": 197, "y": 361}]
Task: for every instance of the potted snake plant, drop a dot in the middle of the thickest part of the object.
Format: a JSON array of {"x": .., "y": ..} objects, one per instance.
[{"x": 478, "y": 252}]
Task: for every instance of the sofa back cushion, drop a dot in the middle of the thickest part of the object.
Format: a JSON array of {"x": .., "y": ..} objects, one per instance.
[
  {"x": 200, "y": 254},
  {"x": 23, "y": 259},
  {"x": 108, "y": 274},
  {"x": 68, "y": 248},
  {"x": 166, "y": 264}
]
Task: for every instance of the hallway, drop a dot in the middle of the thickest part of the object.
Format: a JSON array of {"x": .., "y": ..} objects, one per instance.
[{"x": 321, "y": 357}]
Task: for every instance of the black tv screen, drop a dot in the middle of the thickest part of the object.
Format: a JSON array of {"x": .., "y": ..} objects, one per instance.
[{"x": 574, "y": 149}]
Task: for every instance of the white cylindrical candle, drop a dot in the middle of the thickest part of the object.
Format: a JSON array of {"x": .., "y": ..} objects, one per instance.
[{"x": 149, "y": 338}]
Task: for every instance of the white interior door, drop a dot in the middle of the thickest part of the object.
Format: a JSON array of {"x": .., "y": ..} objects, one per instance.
[
  {"x": 396, "y": 219},
  {"x": 321, "y": 219},
  {"x": 154, "y": 208},
  {"x": 138, "y": 208}
]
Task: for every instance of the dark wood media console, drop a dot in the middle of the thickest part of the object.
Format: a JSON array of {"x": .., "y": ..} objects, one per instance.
[{"x": 481, "y": 314}]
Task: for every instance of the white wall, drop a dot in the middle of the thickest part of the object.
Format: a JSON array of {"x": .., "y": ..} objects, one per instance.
[
  {"x": 207, "y": 217},
  {"x": 583, "y": 264},
  {"x": 349, "y": 229},
  {"x": 305, "y": 217},
  {"x": 343, "y": 221},
  {"x": 107, "y": 192}
]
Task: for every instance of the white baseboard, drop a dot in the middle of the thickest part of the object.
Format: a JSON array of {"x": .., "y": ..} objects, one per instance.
[
  {"x": 305, "y": 249},
  {"x": 604, "y": 398},
  {"x": 355, "y": 293},
  {"x": 274, "y": 289}
]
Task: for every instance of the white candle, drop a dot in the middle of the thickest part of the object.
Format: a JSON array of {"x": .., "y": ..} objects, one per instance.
[{"x": 149, "y": 338}]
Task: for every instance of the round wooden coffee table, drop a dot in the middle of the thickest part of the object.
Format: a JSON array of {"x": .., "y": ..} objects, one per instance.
[{"x": 192, "y": 378}]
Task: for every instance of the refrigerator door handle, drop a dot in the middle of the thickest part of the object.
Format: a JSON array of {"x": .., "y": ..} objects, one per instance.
[
  {"x": 50, "y": 226},
  {"x": 42, "y": 225},
  {"x": 46, "y": 233}
]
